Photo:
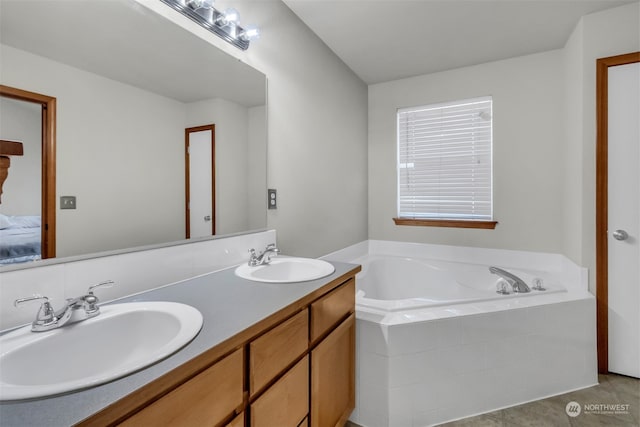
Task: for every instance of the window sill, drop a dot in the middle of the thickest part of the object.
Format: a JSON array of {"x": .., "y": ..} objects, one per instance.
[{"x": 454, "y": 223}]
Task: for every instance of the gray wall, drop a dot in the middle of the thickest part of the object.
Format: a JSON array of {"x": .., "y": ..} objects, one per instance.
[
  {"x": 317, "y": 130},
  {"x": 527, "y": 156}
]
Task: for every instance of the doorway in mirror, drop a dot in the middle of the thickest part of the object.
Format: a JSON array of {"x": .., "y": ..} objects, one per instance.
[
  {"x": 28, "y": 210},
  {"x": 200, "y": 179}
]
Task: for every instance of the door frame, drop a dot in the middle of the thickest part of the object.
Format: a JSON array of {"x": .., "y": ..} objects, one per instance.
[
  {"x": 187, "y": 133},
  {"x": 602, "y": 200},
  {"x": 48, "y": 174}
]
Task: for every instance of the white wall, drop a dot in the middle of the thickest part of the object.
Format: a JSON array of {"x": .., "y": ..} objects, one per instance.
[
  {"x": 528, "y": 159},
  {"x": 107, "y": 133},
  {"x": 257, "y": 167},
  {"x": 114, "y": 136},
  {"x": 544, "y": 173},
  {"x": 22, "y": 121},
  {"x": 608, "y": 33},
  {"x": 316, "y": 128},
  {"x": 231, "y": 151}
]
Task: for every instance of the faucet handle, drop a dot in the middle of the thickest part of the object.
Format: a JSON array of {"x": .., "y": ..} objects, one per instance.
[
  {"x": 105, "y": 284},
  {"x": 45, "y": 315},
  {"x": 35, "y": 297},
  {"x": 91, "y": 301},
  {"x": 502, "y": 286}
]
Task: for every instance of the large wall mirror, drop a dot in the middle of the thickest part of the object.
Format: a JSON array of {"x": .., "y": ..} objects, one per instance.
[{"x": 128, "y": 84}]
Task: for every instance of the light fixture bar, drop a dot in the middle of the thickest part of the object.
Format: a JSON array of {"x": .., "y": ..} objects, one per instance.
[{"x": 214, "y": 21}]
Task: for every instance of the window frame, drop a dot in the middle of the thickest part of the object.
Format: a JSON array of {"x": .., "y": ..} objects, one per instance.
[{"x": 443, "y": 222}]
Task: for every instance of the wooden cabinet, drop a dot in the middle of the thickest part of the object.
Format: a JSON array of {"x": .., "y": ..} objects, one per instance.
[
  {"x": 286, "y": 403},
  {"x": 332, "y": 376},
  {"x": 270, "y": 354},
  {"x": 237, "y": 421},
  {"x": 295, "y": 368},
  {"x": 329, "y": 310},
  {"x": 207, "y": 399}
]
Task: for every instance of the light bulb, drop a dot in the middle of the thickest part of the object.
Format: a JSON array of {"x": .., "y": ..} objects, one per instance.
[
  {"x": 250, "y": 32},
  {"x": 198, "y": 4},
  {"x": 231, "y": 16}
]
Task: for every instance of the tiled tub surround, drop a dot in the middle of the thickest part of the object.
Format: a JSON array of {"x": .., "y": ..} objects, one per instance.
[
  {"x": 424, "y": 366},
  {"x": 132, "y": 272}
]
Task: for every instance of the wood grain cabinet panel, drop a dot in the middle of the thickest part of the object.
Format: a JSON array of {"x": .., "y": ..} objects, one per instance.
[
  {"x": 237, "y": 421},
  {"x": 333, "y": 377},
  {"x": 332, "y": 308},
  {"x": 286, "y": 403},
  {"x": 271, "y": 353},
  {"x": 206, "y": 400}
]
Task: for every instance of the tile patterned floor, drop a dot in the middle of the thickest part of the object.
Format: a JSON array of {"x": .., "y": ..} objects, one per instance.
[
  {"x": 551, "y": 412},
  {"x": 613, "y": 389}
]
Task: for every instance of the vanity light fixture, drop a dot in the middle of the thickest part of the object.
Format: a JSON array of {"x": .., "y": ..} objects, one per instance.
[{"x": 224, "y": 24}]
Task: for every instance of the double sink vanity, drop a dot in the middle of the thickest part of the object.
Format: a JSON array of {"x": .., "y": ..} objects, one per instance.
[{"x": 268, "y": 345}]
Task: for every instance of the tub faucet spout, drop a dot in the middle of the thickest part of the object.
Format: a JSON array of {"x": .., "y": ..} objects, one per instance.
[{"x": 517, "y": 283}]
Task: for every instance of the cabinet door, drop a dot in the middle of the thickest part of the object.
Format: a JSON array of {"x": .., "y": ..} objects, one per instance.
[
  {"x": 286, "y": 403},
  {"x": 205, "y": 400},
  {"x": 237, "y": 421},
  {"x": 274, "y": 351},
  {"x": 333, "y": 376},
  {"x": 329, "y": 310}
]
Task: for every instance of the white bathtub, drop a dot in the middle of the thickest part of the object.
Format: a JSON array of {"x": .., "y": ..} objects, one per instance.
[
  {"x": 435, "y": 342},
  {"x": 396, "y": 283}
]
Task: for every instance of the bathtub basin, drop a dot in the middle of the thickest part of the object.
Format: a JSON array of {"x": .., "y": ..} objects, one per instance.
[{"x": 122, "y": 339}]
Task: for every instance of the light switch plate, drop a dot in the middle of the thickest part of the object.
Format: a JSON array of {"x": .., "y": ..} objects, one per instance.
[{"x": 67, "y": 202}]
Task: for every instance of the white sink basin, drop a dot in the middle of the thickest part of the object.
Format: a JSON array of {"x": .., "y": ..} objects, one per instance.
[
  {"x": 286, "y": 270},
  {"x": 122, "y": 339}
]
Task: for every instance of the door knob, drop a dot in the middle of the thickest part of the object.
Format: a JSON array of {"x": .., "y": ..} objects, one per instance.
[{"x": 620, "y": 235}]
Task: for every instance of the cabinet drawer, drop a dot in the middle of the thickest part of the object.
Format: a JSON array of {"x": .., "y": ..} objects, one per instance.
[
  {"x": 270, "y": 354},
  {"x": 206, "y": 399},
  {"x": 286, "y": 403},
  {"x": 330, "y": 309}
]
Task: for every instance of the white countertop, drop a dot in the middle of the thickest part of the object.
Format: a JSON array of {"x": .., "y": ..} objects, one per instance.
[{"x": 228, "y": 304}]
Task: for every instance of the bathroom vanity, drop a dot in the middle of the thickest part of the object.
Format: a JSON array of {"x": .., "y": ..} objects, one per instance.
[{"x": 268, "y": 354}]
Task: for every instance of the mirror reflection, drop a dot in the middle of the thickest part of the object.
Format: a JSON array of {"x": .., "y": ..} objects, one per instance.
[{"x": 129, "y": 88}]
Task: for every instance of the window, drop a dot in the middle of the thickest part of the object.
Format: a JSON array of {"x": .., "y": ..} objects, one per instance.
[{"x": 444, "y": 164}]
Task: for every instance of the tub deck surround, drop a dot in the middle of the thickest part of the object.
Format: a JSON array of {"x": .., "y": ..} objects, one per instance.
[
  {"x": 423, "y": 361},
  {"x": 233, "y": 309}
]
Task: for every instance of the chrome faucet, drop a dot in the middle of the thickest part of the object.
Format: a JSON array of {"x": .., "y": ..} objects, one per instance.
[
  {"x": 516, "y": 283},
  {"x": 264, "y": 257},
  {"x": 48, "y": 318}
]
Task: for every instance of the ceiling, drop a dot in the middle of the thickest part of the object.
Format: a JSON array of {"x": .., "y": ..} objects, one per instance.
[
  {"x": 384, "y": 40},
  {"x": 130, "y": 44}
]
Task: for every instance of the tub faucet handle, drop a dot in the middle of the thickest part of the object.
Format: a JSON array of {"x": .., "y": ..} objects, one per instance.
[
  {"x": 538, "y": 284},
  {"x": 503, "y": 287},
  {"x": 517, "y": 283}
]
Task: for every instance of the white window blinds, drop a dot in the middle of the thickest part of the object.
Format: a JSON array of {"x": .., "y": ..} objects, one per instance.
[{"x": 444, "y": 161}]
